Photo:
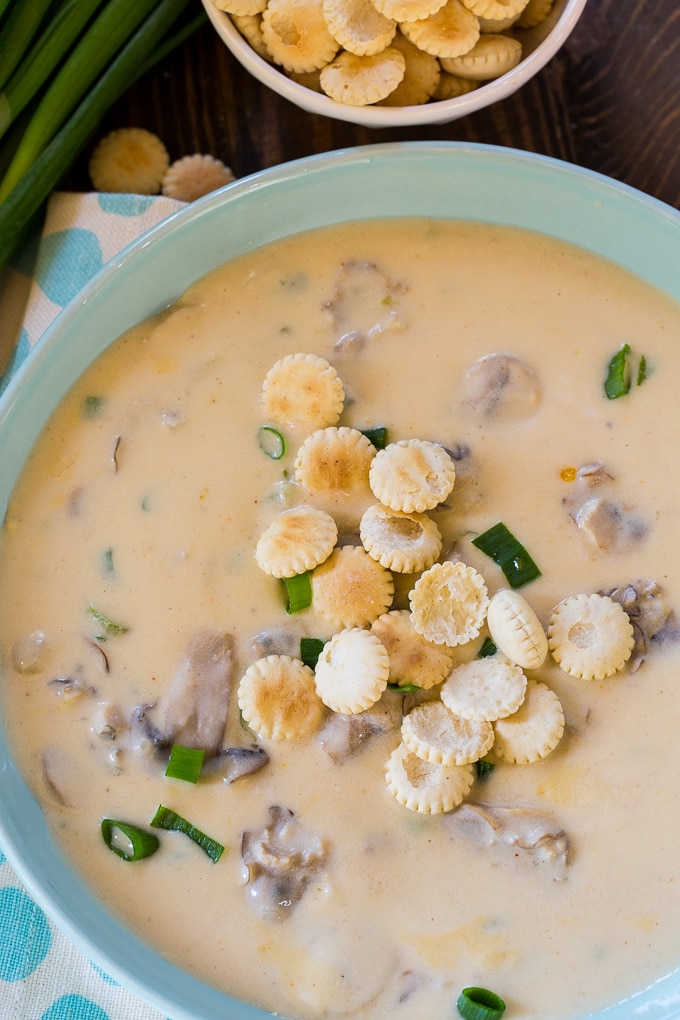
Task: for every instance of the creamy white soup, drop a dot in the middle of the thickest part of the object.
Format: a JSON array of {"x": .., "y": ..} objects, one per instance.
[{"x": 133, "y": 606}]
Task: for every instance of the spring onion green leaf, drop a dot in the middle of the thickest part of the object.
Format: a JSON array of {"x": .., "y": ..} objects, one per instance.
[
  {"x": 480, "y": 1004},
  {"x": 91, "y": 55},
  {"x": 44, "y": 56},
  {"x": 299, "y": 592},
  {"x": 404, "y": 688},
  {"x": 166, "y": 818},
  {"x": 108, "y": 627},
  {"x": 22, "y": 23},
  {"x": 642, "y": 370},
  {"x": 487, "y": 649},
  {"x": 509, "y": 554},
  {"x": 185, "y": 763},
  {"x": 25, "y": 200},
  {"x": 310, "y": 650},
  {"x": 127, "y": 841},
  {"x": 484, "y": 768},
  {"x": 271, "y": 442},
  {"x": 377, "y": 436},
  {"x": 617, "y": 382},
  {"x": 92, "y": 406}
]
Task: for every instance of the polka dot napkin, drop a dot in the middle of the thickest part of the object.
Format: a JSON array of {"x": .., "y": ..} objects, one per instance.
[{"x": 42, "y": 975}]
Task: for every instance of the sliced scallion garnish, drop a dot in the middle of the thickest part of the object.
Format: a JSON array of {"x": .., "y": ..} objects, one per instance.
[
  {"x": 480, "y": 1004},
  {"x": 509, "y": 554},
  {"x": 128, "y": 841},
  {"x": 107, "y": 561},
  {"x": 378, "y": 436},
  {"x": 310, "y": 650},
  {"x": 617, "y": 382},
  {"x": 166, "y": 818},
  {"x": 272, "y": 442},
  {"x": 92, "y": 407},
  {"x": 108, "y": 627},
  {"x": 642, "y": 370},
  {"x": 404, "y": 688},
  {"x": 299, "y": 591},
  {"x": 484, "y": 768},
  {"x": 488, "y": 648},
  {"x": 185, "y": 763}
]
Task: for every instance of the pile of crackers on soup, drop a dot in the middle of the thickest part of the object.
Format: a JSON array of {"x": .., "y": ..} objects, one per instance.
[{"x": 388, "y": 52}]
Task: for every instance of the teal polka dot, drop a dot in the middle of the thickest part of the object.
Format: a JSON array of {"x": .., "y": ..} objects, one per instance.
[
  {"x": 74, "y": 1007},
  {"x": 102, "y": 974},
  {"x": 67, "y": 260},
  {"x": 19, "y": 354},
  {"x": 26, "y": 934},
  {"x": 125, "y": 205},
  {"x": 2, "y": 857}
]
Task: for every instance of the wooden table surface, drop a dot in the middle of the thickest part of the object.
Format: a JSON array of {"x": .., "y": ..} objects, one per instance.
[{"x": 609, "y": 101}]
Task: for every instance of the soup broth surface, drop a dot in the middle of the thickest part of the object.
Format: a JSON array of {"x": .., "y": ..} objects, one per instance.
[{"x": 144, "y": 500}]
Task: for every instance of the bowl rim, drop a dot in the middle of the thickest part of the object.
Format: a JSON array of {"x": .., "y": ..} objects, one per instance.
[
  {"x": 576, "y": 196},
  {"x": 438, "y": 112}
]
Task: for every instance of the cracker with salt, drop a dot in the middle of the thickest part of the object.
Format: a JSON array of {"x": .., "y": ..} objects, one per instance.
[
  {"x": 296, "y": 34},
  {"x": 405, "y": 543},
  {"x": 533, "y": 731},
  {"x": 423, "y": 786},
  {"x": 296, "y": 541},
  {"x": 363, "y": 80},
  {"x": 492, "y": 56},
  {"x": 278, "y": 699},
  {"x": 413, "y": 659},
  {"x": 435, "y": 734},
  {"x": 412, "y": 474},
  {"x": 450, "y": 32},
  {"x": 302, "y": 389},
  {"x": 351, "y": 672},
  {"x": 351, "y": 589},
  {"x": 449, "y": 603}
]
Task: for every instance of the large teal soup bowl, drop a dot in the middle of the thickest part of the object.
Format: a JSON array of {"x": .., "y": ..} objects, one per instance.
[{"x": 442, "y": 180}]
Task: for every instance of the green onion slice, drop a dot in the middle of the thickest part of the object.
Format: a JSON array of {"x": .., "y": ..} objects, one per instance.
[
  {"x": 310, "y": 650},
  {"x": 488, "y": 648},
  {"x": 509, "y": 554},
  {"x": 166, "y": 818},
  {"x": 299, "y": 591},
  {"x": 642, "y": 370},
  {"x": 271, "y": 442},
  {"x": 108, "y": 627},
  {"x": 127, "y": 841},
  {"x": 480, "y": 1004},
  {"x": 484, "y": 768},
  {"x": 404, "y": 688},
  {"x": 92, "y": 407},
  {"x": 185, "y": 763},
  {"x": 377, "y": 436},
  {"x": 617, "y": 382}
]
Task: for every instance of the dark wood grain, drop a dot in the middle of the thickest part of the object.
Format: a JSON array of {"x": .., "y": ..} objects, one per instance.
[{"x": 608, "y": 101}]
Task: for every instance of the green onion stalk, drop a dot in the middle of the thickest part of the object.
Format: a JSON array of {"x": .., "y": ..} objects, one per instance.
[{"x": 72, "y": 74}]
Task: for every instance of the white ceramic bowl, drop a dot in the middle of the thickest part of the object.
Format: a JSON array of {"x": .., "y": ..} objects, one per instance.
[
  {"x": 447, "y": 180},
  {"x": 540, "y": 45}
]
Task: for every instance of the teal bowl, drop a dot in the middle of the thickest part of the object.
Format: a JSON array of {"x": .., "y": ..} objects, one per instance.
[{"x": 442, "y": 180}]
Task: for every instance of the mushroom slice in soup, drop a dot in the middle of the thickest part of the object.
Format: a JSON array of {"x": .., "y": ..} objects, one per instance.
[
  {"x": 537, "y": 834},
  {"x": 344, "y": 735},
  {"x": 610, "y": 525},
  {"x": 232, "y": 763},
  {"x": 280, "y": 860},
  {"x": 650, "y": 614},
  {"x": 363, "y": 306},
  {"x": 194, "y": 710},
  {"x": 502, "y": 388}
]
